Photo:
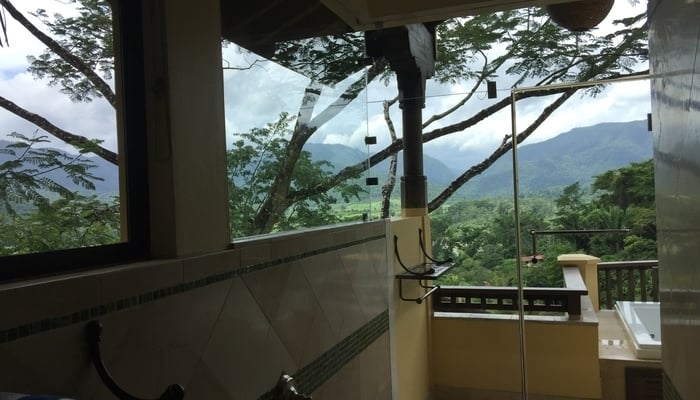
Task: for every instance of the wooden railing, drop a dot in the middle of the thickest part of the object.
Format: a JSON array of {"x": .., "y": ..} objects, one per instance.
[
  {"x": 479, "y": 299},
  {"x": 627, "y": 280}
]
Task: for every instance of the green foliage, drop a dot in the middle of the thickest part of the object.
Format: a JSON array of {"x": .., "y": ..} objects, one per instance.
[
  {"x": 24, "y": 175},
  {"x": 88, "y": 36},
  {"x": 570, "y": 207},
  {"x": 622, "y": 198},
  {"x": 480, "y": 234},
  {"x": 623, "y": 187},
  {"x": 547, "y": 273},
  {"x": 535, "y": 48},
  {"x": 325, "y": 59},
  {"x": 523, "y": 44},
  {"x": 65, "y": 223},
  {"x": 253, "y": 163},
  {"x": 529, "y": 46},
  {"x": 38, "y": 214}
]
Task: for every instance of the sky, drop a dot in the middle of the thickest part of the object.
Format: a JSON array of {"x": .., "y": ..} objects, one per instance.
[
  {"x": 283, "y": 90},
  {"x": 256, "y": 96},
  {"x": 95, "y": 119}
]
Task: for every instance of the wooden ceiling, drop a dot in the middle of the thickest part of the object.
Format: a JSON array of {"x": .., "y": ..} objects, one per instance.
[{"x": 258, "y": 24}]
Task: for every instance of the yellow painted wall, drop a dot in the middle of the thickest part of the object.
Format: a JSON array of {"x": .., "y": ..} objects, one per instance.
[
  {"x": 483, "y": 354},
  {"x": 588, "y": 265},
  {"x": 410, "y": 322}
]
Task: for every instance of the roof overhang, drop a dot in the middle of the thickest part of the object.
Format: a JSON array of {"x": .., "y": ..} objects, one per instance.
[{"x": 257, "y": 25}]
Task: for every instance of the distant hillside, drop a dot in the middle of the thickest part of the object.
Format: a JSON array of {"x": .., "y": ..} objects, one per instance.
[
  {"x": 577, "y": 155},
  {"x": 342, "y": 156},
  {"x": 574, "y": 156},
  {"x": 109, "y": 185}
]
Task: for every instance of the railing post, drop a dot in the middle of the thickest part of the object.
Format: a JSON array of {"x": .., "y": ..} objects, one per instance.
[
  {"x": 588, "y": 265},
  {"x": 574, "y": 306}
]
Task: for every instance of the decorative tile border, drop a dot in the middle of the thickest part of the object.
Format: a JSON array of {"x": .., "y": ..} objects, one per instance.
[
  {"x": 669, "y": 391},
  {"x": 258, "y": 267},
  {"x": 83, "y": 316},
  {"x": 313, "y": 375}
]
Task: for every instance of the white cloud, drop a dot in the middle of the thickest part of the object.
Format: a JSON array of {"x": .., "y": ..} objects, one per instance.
[
  {"x": 256, "y": 96},
  {"x": 95, "y": 120}
]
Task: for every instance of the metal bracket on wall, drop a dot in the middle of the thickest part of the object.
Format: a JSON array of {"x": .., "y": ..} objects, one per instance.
[
  {"x": 94, "y": 334},
  {"x": 421, "y": 272}
]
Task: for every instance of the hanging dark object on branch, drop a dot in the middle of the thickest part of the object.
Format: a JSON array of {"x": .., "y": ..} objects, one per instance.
[{"x": 579, "y": 16}]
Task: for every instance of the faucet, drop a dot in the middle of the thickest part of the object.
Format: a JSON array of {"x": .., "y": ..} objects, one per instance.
[{"x": 285, "y": 389}]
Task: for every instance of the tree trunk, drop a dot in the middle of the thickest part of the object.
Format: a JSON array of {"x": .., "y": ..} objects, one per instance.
[{"x": 388, "y": 187}]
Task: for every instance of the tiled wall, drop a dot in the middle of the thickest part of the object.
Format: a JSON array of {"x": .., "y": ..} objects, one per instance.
[
  {"x": 675, "y": 58},
  {"x": 224, "y": 325}
]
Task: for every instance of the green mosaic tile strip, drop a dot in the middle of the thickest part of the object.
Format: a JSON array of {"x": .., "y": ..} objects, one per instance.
[
  {"x": 669, "y": 391},
  {"x": 313, "y": 375},
  {"x": 272, "y": 263},
  {"x": 83, "y": 316}
]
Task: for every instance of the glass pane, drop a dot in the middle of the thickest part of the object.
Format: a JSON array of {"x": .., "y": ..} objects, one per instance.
[
  {"x": 587, "y": 167},
  {"x": 294, "y": 122},
  {"x": 59, "y": 178}
]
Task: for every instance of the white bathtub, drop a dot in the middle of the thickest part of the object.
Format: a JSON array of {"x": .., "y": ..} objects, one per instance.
[{"x": 643, "y": 324}]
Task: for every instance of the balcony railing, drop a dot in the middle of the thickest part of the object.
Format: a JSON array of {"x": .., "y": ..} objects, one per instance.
[
  {"x": 627, "y": 280},
  {"x": 480, "y": 299}
]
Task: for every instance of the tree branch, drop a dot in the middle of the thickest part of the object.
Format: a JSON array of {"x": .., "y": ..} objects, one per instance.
[
  {"x": 485, "y": 72},
  {"x": 505, "y": 146},
  {"x": 355, "y": 170},
  {"x": 250, "y": 66},
  {"x": 70, "y": 138},
  {"x": 595, "y": 71},
  {"x": 101, "y": 86},
  {"x": 388, "y": 187},
  {"x": 279, "y": 198},
  {"x": 348, "y": 95},
  {"x": 3, "y": 27}
]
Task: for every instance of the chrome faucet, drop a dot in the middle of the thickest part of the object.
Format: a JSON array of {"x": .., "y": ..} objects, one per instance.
[{"x": 285, "y": 389}]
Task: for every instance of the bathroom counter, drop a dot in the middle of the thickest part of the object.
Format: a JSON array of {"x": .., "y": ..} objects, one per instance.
[
  {"x": 616, "y": 355},
  {"x": 614, "y": 343}
]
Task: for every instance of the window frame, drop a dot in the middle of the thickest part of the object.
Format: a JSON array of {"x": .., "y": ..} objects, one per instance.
[{"x": 128, "y": 31}]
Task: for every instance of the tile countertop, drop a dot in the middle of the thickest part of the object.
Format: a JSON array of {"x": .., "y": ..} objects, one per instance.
[{"x": 614, "y": 343}]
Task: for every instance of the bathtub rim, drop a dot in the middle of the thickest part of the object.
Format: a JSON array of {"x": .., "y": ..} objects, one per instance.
[{"x": 645, "y": 347}]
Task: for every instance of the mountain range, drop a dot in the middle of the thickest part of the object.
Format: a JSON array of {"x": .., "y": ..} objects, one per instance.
[
  {"x": 577, "y": 155},
  {"x": 108, "y": 184}
]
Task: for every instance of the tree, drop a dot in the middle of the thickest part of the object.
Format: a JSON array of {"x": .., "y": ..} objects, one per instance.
[
  {"x": 72, "y": 62},
  {"x": 621, "y": 198},
  {"x": 39, "y": 211},
  {"x": 622, "y": 187},
  {"x": 25, "y": 173},
  {"x": 253, "y": 163},
  {"x": 535, "y": 50},
  {"x": 547, "y": 273},
  {"x": 64, "y": 223},
  {"x": 571, "y": 212},
  {"x": 626, "y": 199}
]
